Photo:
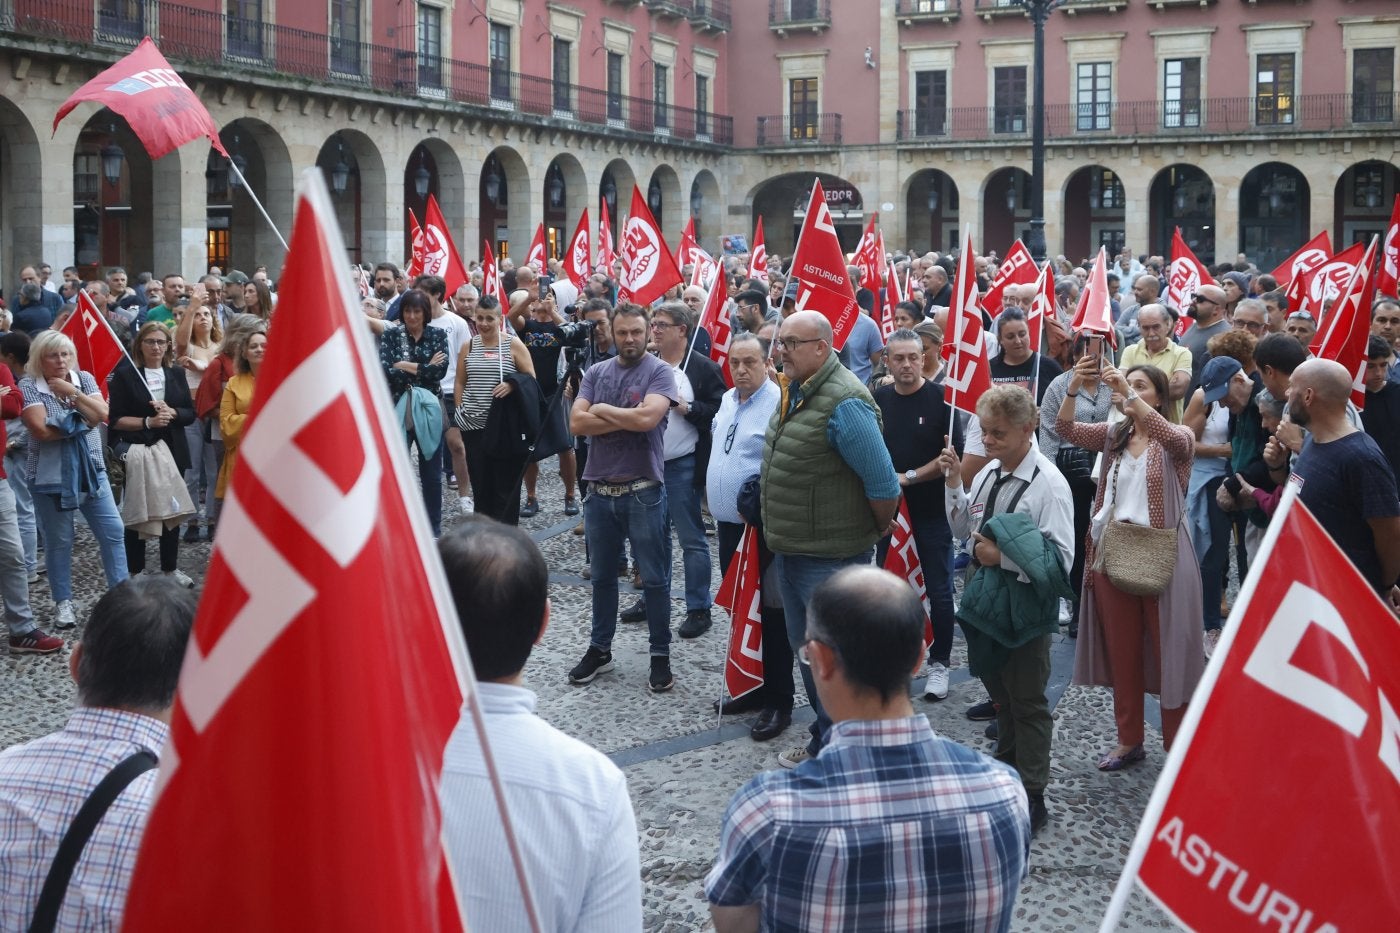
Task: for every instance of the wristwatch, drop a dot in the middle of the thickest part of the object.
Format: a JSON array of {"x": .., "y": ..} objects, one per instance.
[
  {"x": 911, "y": 475},
  {"x": 1130, "y": 398}
]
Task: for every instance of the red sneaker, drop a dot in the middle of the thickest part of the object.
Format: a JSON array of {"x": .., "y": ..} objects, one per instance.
[{"x": 35, "y": 642}]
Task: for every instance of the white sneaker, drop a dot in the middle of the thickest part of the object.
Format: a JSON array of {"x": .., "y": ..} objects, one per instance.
[
  {"x": 63, "y": 616},
  {"x": 466, "y": 504},
  {"x": 182, "y": 578},
  {"x": 1211, "y": 640},
  {"x": 33, "y": 576},
  {"x": 1066, "y": 612},
  {"x": 937, "y": 684},
  {"x": 794, "y": 756}
]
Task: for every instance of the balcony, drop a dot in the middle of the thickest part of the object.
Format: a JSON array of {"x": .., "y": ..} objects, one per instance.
[
  {"x": 671, "y": 9},
  {"x": 813, "y": 129},
  {"x": 787, "y": 15},
  {"x": 910, "y": 12},
  {"x": 711, "y": 15},
  {"x": 1160, "y": 5},
  {"x": 1076, "y": 7},
  {"x": 991, "y": 9},
  {"x": 259, "y": 51},
  {"x": 1156, "y": 120}
]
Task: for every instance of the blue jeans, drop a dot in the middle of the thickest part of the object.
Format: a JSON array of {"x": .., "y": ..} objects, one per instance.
[
  {"x": 14, "y": 576},
  {"x": 203, "y": 473},
  {"x": 430, "y": 479},
  {"x": 24, "y": 510},
  {"x": 100, "y": 510},
  {"x": 683, "y": 503},
  {"x": 609, "y": 521},
  {"x": 798, "y": 576}
]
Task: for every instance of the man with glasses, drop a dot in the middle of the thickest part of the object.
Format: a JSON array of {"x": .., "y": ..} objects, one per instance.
[
  {"x": 828, "y": 488},
  {"x": 1156, "y": 349},
  {"x": 1251, "y": 317},
  {"x": 1207, "y": 309},
  {"x": 751, "y": 311},
  {"x": 1146, "y": 288},
  {"x": 911, "y": 819}
]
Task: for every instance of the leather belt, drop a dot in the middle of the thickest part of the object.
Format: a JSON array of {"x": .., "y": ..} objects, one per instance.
[{"x": 622, "y": 489}]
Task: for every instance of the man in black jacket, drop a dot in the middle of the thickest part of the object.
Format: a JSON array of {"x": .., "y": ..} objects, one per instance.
[{"x": 700, "y": 385}]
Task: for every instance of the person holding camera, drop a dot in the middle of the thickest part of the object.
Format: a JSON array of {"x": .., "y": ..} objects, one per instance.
[{"x": 1138, "y": 631}]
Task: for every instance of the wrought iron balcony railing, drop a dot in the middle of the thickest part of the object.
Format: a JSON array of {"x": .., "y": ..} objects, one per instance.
[{"x": 816, "y": 129}]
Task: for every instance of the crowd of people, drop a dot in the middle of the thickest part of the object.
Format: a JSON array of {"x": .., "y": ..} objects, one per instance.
[{"x": 1103, "y": 488}]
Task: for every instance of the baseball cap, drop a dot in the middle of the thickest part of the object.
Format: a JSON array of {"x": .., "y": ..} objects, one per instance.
[
  {"x": 236, "y": 278},
  {"x": 1216, "y": 376}
]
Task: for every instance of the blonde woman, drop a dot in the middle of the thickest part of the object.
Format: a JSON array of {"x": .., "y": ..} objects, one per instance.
[
  {"x": 238, "y": 402},
  {"x": 198, "y": 338}
]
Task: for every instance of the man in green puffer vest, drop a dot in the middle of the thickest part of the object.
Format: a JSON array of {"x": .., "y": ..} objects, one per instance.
[{"x": 829, "y": 490}]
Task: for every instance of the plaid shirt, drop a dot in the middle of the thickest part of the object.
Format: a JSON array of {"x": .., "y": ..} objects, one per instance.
[
  {"x": 889, "y": 828},
  {"x": 43, "y": 783}
]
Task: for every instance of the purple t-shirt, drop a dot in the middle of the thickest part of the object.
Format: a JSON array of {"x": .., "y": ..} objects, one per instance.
[{"x": 627, "y": 454}]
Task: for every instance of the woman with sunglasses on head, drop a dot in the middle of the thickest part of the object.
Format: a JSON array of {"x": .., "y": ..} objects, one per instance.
[{"x": 149, "y": 407}]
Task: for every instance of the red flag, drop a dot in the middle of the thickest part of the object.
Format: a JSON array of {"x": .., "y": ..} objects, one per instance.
[
  {"x": 820, "y": 269},
  {"x": 491, "y": 283},
  {"x": 758, "y": 258},
  {"x": 580, "y": 252},
  {"x": 739, "y": 593},
  {"x": 716, "y": 324},
  {"x": 1018, "y": 268},
  {"x": 1327, "y": 280},
  {"x": 1187, "y": 274},
  {"x": 299, "y": 788},
  {"x": 1388, "y": 275},
  {"x": 1345, "y": 332},
  {"x": 415, "y": 260},
  {"x": 1095, "y": 311},
  {"x": 606, "y": 254},
  {"x": 969, "y": 374},
  {"x": 1042, "y": 307},
  {"x": 892, "y": 300},
  {"x": 868, "y": 259},
  {"x": 686, "y": 252},
  {"x": 439, "y": 252},
  {"x": 1307, "y": 258},
  {"x": 703, "y": 269},
  {"x": 99, "y": 350},
  {"x": 648, "y": 268},
  {"x": 902, "y": 560},
  {"x": 158, "y": 106},
  {"x": 1309, "y": 653},
  {"x": 538, "y": 252}
]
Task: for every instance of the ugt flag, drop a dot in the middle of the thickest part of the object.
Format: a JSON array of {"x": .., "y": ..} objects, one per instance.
[
  {"x": 326, "y": 669},
  {"x": 819, "y": 266},
  {"x": 99, "y": 350},
  {"x": 1018, "y": 268},
  {"x": 902, "y": 560},
  {"x": 739, "y": 593},
  {"x": 965, "y": 344},
  {"x": 1313, "y": 843}
]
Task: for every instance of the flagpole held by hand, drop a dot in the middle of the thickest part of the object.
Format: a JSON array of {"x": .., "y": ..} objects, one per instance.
[{"x": 261, "y": 210}]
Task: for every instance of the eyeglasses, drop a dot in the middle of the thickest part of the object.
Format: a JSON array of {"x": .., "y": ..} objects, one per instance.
[
  {"x": 155, "y": 342},
  {"x": 805, "y": 656},
  {"x": 1250, "y": 326},
  {"x": 662, "y": 325},
  {"x": 1197, "y": 299},
  {"x": 791, "y": 343},
  {"x": 729, "y": 438}
]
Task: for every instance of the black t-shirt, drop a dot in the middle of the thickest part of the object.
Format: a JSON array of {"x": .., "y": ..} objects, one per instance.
[
  {"x": 914, "y": 429},
  {"x": 1023, "y": 374},
  {"x": 545, "y": 341},
  {"x": 1381, "y": 418},
  {"x": 1346, "y": 482}
]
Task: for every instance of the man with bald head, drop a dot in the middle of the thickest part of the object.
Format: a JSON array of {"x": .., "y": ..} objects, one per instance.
[
  {"x": 1146, "y": 287},
  {"x": 1207, "y": 309},
  {"x": 1344, "y": 478},
  {"x": 829, "y": 490},
  {"x": 1156, "y": 349},
  {"x": 938, "y": 292}
]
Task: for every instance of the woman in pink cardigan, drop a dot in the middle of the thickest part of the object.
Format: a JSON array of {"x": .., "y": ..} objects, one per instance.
[{"x": 1138, "y": 644}]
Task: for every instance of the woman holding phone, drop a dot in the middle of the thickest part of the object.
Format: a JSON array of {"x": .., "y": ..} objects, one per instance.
[{"x": 1016, "y": 364}]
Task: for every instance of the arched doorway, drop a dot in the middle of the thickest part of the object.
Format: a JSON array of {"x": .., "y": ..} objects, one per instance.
[
  {"x": 782, "y": 203},
  {"x": 1363, "y": 197},
  {"x": 503, "y": 173},
  {"x": 664, "y": 199},
  {"x": 237, "y": 236},
  {"x": 420, "y": 181},
  {"x": 1274, "y": 213},
  {"x": 565, "y": 197},
  {"x": 1182, "y": 196},
  {"x": 931, "y": 211},
  {"x": 1094, "y": 213},
  {"x": 615, "y": 190},
  {"x": 21, "y": 204},
  {"x": 354, "y": 172},
  {"x": 112, "y": 198},
  {"x": 705, "y": 207},
  {"x": 1006, "y": 210}
]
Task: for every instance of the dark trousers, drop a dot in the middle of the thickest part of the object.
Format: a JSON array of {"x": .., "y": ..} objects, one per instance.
[
  {"x": 136, "y": 551},
  {"x": 1024, "y": 725},
  {"x": 934, "y": 542},
  {"x": 495, "y": 480},
  {"x": 1082, "y": 490},
  {"x": 1216, "y": 559},
  {"x": 778, "y": 683}
]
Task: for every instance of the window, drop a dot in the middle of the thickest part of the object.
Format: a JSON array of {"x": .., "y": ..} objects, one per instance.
[
  {"x": 802, "y": 10},
  {"x": 661, "y": 75},
  {"x": 87, "y": 175},
  {"x": 1009, "y": 99},
  {"x": 1273, "y": 89},
  {"x": 804, "y": 119},
  {"x": 429, "y": 46},
  {"x": 345, "y": 36},
  {"x": 244, "y": 25},
  {"x": 614, "y": 86},
  {"x": 702, "y": 105},
  {"x": 1368, "y": 189},
  {"x": 563, "y": 89},
  {"x": 1093, "y": 96},
  {"x": 500, "y": 62},
  {"x": 1373, "y": 85},
  {"x": 1181, "y": 92},
  {"x": 121, "y": 19},
  {"x": 930, "y": 103},
  {"x": 218, "y": 247}
]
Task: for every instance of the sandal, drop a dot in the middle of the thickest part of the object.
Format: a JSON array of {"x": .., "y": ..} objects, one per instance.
[
  {"x": 570, "y": 505},
  {"x": 530, "y": 509},
  {"x": 1112, "y": 762}
]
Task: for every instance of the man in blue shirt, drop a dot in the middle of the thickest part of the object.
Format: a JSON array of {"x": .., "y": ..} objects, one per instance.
[{"x": 890, "y": 827}]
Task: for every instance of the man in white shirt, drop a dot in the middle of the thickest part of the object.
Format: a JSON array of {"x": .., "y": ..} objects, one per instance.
[{"x": 569, "y": 807}]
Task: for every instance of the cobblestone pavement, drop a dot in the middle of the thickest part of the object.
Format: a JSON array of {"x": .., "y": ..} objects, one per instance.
[{"x": 682, "y": 766}]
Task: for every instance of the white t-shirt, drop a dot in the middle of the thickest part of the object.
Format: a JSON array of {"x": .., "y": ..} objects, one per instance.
[
  {"x": 681, "y": 436},
  {"x": 458, "y": 333}
]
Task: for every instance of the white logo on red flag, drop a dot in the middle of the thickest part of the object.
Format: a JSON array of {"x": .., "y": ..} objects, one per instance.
[
  {"x": 820, "y": 268},
  {"x": 1388, "y": 276},
  {"x": 1309, "y": 653},
  {"x": 739, "y": 593},
  {"x": 902, "y": 560},
  {"x": 1304, "y": 259},
  {"x": 1346, "y": 328},
  {"x": 439, "y": 254},
  {"x": 537, "y": 252},
  {"x": 1018, "y": 268},
  {"x": 1325, "y": 282},
  {"x": 648, "y": 269},
  {"x": 969, "y": 373},
  {"x": 98, "y": 349},
  {"x": 758, "y": 257}
]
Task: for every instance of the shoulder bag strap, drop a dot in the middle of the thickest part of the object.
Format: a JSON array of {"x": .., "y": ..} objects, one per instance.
[{"x": 79, "y": 831}]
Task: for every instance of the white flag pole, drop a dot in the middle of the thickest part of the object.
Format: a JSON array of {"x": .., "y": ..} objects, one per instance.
[
  {"x": 262, "y": 210},
  {"x": 1157, "y": 803}
]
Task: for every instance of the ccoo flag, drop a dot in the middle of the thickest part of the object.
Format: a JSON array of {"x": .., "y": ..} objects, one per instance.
[
  {"x": 648, "y": 268},
  {"x": 299, "y": 788}
]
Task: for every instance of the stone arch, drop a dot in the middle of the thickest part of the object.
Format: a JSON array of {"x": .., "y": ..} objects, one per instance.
[
  {"x": 1363, "y": 197},
  {"x": 782, "y": 202},
  {"x": 114, "y": 224},
  {"x": 362, "y": 205},
  {"x": 668, "y": 209},
  {"x": 615, "y": 186},
  {"x": 562, "y": 217},
  {"x": 504, "y": 196},
  {"x": 1275, "y": 202},
  {"x": 266, "y": 164},
  {"x": 711, "y": 209},
  {"x": 932, "y": 211},
  {"x": 1094, "y": 212},
  {"x": 443, "y": 173},
  {"x": 21, "y": 198},
  {"x": 1005, "y": 198},
  {"x": 1182, "y": 196}
]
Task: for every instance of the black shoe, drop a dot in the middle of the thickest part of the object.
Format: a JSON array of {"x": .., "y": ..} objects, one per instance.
[
  {"x": 191, "y": 534},
  {"x": 570, "y": 505},
  {"x": 1039, "y": 815},
  {"x": 531, "y": 508},
  {"x": 594, "y": 662},
  {"x": 744, "y": 704},
  {"x": 660, "y": 680},
  {"x": 637, "y": 612},
  {"x": 770, "y": 724},
  {"x": 697, "y": 622},
  {"x": 982, "y": 711},
  {"x": 991, "y": 731}
]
